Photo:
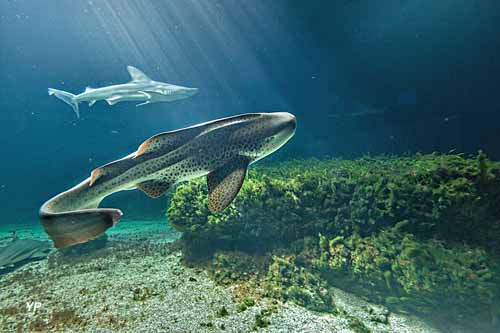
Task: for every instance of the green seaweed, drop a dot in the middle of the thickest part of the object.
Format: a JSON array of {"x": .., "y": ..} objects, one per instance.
[
  {"x": 249, "y": 302},
  {"x": 357, "y": 325},
  {"x": 418, "y": 234},
  {"x": 406, "y": 274},
  {"x": 288, "y": 281},
  {"x": 445, "y": 196},
  {"x": 241, "y": 307},
  {"x": 222, "y": 312},
  {"x": 261, "y": 320}
]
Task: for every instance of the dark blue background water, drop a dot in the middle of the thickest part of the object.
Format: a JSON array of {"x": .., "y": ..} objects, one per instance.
[{"x": 361, "y": 77}]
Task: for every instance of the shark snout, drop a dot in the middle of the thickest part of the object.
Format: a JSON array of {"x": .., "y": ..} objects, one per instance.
[
  {"x": 190, "y": 91},
  {"x": 287, "y": 121}
]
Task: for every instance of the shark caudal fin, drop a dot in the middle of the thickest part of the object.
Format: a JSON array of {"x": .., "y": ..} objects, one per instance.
[
  {"x": 70, "y": 228},
  {"x": 67, "y": 98}
]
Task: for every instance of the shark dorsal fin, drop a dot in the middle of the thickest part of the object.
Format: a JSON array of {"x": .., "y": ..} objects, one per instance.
[
  {"x": 167, "y": 141},
  {"x": 154, "y": 188},
  {"x": 115, "y": 167},
  {"x": 154, "y": 143},
  {"x": 87, "y": 89},
  {"x": 173, "y": 139},
  {"x": 137, "y": 75},
  {"x": 95, "y": 175},
  {"x": 225, "y": 182}
]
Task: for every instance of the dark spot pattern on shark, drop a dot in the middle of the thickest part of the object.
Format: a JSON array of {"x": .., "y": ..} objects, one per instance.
[{"x": 221, "y": 149}]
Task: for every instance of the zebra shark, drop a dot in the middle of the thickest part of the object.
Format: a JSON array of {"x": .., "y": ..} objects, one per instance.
[
  {"x": 140, "y": 88},
  {"x": 221, "y": 149}
]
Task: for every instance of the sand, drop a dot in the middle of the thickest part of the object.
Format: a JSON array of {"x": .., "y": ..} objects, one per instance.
[{"x": 138, "y": 283}]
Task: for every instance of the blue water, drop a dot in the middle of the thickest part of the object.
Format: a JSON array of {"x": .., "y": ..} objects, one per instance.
[
  {"x": 405, "y": 77},
  {"x": 362, "y": 77}
]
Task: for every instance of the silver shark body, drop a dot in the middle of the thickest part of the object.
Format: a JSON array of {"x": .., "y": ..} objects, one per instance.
[
  {"x": 221, "y": 149},
  {"x": 141, "y": 88}
]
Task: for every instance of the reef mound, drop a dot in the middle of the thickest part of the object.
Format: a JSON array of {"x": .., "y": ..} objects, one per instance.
[{"x": 417, "y": 234}]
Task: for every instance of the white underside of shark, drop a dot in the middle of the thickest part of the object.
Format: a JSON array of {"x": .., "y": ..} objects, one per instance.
[{"x": 141, "y": 89}]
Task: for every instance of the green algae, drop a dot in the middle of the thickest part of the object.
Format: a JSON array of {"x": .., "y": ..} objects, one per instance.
[
  {"x": 261, "y": 320},
  {"x": 448, "y": 196},
  {"x": 291, "y": 282},
  {"x": 222, "y": 312},
  {"x": 419, "y": 234},
  {"x": 241, "y": 307},
  {"x": 249, "y": 302},
  {"x": 408, "y": 275},
  {"x": 357, "y": 325}
]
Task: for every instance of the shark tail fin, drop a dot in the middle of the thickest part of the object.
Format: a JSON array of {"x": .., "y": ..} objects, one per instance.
[
  {"x": 67, "y": 98},
  {"x": 70, "y": 228}
]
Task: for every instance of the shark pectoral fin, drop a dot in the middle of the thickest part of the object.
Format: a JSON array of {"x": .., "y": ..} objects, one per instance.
[
  {"x": 92, "y": 103},
  {"x": 137, "y": 75},
  {"x": 113, "y": 99},
  {"x": 154, "y": 188},
  {"x": 144, "y": 103},
  {"x": 145, "y": 94},
  {"x": 225, "y": 182}
]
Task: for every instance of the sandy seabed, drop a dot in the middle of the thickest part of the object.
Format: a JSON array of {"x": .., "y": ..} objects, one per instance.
[{"x": 138, "y": 283}]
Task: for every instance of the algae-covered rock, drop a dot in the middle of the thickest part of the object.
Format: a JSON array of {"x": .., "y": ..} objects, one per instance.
[
  {"x": 292, "y": 282},
  {"x": 395, "y": 269},
  {"x": 418, "y": 234},
  {"x": 445, "y": 196}
]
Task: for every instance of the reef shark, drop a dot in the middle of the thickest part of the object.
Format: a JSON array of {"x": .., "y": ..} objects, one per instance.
[
  {"x": 221, "y": 149},
  {"x": 140, "y": 88}
]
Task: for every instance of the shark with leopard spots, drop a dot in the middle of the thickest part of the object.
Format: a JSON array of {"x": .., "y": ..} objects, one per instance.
[{"x": 221, "y": 149}]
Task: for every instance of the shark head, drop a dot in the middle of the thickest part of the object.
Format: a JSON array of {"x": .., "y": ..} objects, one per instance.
[
  {"x": 266, "y": 133},
  {"x": 156, "y": 91},
  {"x": 221, "y": 149},
  {"x": 169, "y": 92},
  {"x": 185, "y": 92}
]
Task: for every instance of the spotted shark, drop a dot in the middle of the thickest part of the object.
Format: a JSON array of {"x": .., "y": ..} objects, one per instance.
[
  {"x": 221, "y": 149},
  {"x": 140, "y": 88}
]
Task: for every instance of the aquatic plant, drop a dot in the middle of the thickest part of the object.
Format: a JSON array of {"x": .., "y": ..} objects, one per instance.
[
  {"x": 396, "y": 269},
  {"x": 445, "y": 196},
  {"x": 222, "y": 312},
  {"x": 289, "y": 281},
  {"x": 416, "y": 233},
  {"x": 261, "y": 320}
]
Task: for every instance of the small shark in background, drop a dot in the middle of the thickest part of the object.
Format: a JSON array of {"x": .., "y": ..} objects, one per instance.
[
  {"x": 221, "y": 149},
  {"x": 22, "y": 250},
  {"x": 140, "y": 88}
]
